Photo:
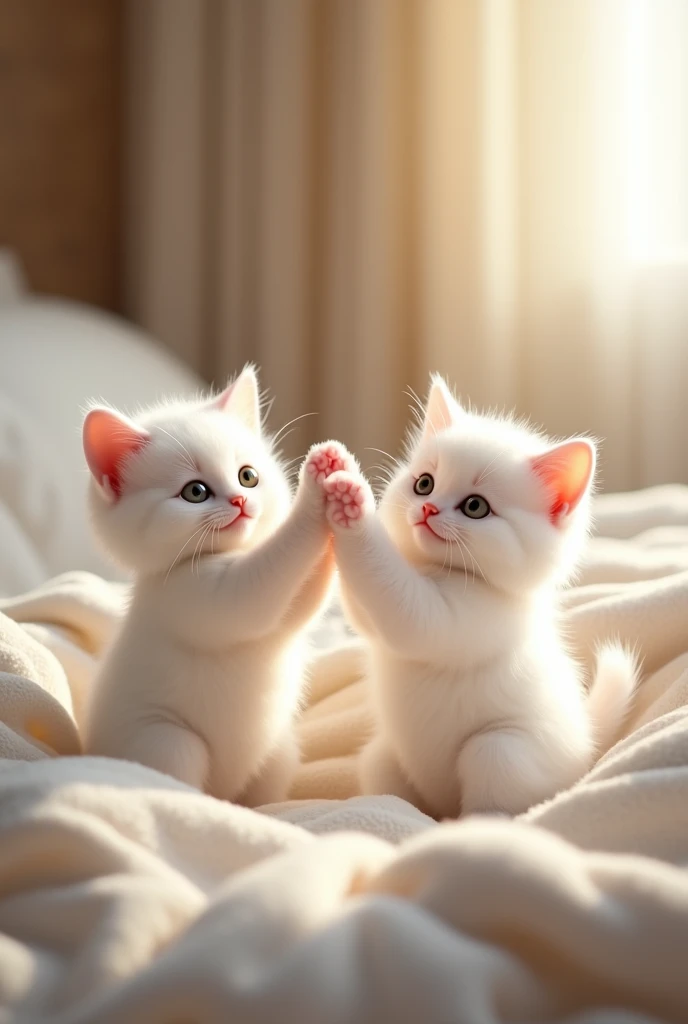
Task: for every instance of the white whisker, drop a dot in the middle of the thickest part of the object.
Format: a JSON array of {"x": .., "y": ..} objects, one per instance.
[
  {"x": 384, "y": 472},
  {"x": 189, "y": 460},
  {"x": 489, "y": 468},
  {"x": 198, "y": 550},
  {"x": 474, "y": 561},
  {"x": 266, "y": 407},
  {"x": 194, "y": 534},
  {"x": 451, "y": 559},
  {"x": 417, "y": 408},
  {"x": 386, "y": 454},
  {"x": 447, "y": 550},
  {"x": 398, "y": 506},
  {"x": 465, "y": 567},
  {"x": 454, "y": 533},
  {"x": 281, "y": 432}
]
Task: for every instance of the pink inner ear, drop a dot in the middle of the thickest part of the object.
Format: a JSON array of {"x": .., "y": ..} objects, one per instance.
[
  {"x": 108, "y": 440},
  {"x": 223, "y": 399},
  {"x": 241, "y": 398},
  {"x": 440, "y": 410},
  {"x": 566, "y": 471}
]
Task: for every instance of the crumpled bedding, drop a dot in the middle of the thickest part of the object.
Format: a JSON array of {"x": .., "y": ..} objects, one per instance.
[{"x": 126, "y": 896}]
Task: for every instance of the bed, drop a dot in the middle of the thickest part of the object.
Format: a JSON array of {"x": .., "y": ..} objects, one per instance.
[{"x": 128, "y": 897}]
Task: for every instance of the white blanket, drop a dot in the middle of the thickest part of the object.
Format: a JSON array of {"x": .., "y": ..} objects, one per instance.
[{"x": 125, "y": 896}]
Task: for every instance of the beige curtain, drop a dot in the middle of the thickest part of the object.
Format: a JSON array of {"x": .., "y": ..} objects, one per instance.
[{"x": 355, "y": 192}]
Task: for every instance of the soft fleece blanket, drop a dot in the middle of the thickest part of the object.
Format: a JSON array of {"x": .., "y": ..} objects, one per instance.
[{"x": 125, "y": 896}]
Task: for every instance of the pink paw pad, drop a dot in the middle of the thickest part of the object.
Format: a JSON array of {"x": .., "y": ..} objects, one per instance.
[
  {"x": 323, "y": 462},
  {"x": 346, "y": 499}
]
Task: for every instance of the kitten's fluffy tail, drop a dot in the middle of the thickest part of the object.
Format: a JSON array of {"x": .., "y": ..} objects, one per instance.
[{"x": 611, "y": 693}]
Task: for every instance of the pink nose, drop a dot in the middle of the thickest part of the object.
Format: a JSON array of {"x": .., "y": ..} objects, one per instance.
[
  {"x": 239, "y": 501},
  {"x": 429, "y": 509}
]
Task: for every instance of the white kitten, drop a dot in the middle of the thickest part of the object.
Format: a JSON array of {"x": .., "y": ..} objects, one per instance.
[
  {"x": 454, "y": 582},
  {"x": 205, "y": 677}
]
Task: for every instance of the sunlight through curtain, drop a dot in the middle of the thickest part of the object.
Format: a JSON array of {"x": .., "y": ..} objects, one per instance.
[{"x": 355, "y": 193}]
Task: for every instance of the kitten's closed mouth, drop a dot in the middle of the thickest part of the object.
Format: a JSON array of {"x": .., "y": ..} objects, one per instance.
[
  {"x": 242, "y": 515},
  {"x": 426, "y": 524}
]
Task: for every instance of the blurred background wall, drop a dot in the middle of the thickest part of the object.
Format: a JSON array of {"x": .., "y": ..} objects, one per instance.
[
  {"x": 61, "y": 144},
  {"x": 355, "y": 192}
]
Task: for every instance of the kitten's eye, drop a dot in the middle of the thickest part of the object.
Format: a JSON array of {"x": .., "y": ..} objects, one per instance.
[
  {"x": 425, "y": 484},
  {"x": 475, "y": 507},
  {"x": 195, "y": 492},
  {"x": 248, "y": 477}
]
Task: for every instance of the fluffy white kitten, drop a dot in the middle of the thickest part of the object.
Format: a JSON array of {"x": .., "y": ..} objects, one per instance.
[
  {"x": 454, "y": 582},
  {"x": 205, "y": 677}
]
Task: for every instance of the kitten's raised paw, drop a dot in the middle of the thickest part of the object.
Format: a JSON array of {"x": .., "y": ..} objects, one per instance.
[
  {"x": 325, "y": 459},
  {"x": 348, "y": 499}
]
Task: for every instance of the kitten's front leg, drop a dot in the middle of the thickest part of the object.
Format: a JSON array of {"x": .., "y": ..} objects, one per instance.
[
  {"x": 405, "y": 608},
  {"x": 264, "y": 583},
  {"x": 271, "y": 784},
  {"x": 314, "y": 592},
  {"x": 354, "y": 611},
  {"x": 379, "y": 772},
  {"x": 321, "y": 462}
]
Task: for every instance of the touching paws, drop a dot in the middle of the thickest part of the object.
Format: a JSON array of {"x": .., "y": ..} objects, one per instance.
[
  {"x": 325, "y": 459},
  {"x": 334, "y": 474},
  {"x": 349, "y": 499}
]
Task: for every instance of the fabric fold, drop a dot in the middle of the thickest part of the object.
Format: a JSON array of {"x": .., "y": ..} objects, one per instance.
[{"x": 126, "y": 896}]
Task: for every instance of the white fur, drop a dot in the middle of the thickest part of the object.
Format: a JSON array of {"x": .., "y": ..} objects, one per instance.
[
  {"x": 205, "y": 677},
  {"x": 478, "y": 705}
]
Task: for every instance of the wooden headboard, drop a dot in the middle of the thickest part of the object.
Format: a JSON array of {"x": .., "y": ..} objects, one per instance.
[{"x": 60, "y": 144}]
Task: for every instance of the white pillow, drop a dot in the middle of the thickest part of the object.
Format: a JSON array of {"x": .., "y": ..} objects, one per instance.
[{"x": 56, "y": 356}]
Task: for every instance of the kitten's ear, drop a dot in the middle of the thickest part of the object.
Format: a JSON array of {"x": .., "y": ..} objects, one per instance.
[
  {"x": 108, "y": 439},
  {"x": 566, "y": 470},
  {"x": 441, "y": 410},
  {"x": 241, "y": 398}
]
